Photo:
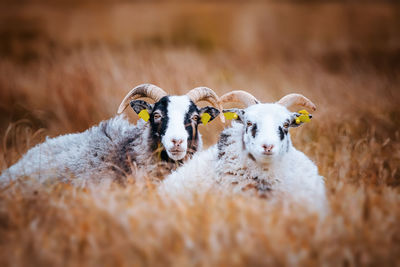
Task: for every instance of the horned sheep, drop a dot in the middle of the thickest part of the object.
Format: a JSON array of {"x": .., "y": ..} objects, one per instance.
[
  {"x": 255, "y": 155},
  {"x": 111, "y": 149}
]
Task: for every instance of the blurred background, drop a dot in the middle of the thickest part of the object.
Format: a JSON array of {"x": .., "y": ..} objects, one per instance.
[
  {"x": 124, "y": 41},
  {"x": 65, "y": 65},
  {"x": 362, "y": 31}
]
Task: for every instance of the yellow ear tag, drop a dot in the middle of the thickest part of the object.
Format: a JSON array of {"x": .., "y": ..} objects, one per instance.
[
  {"x": 205, "y": 118},
  {"x": 144, "y": 115},
  {"x": 304, "y": 117},
  {"x": 230, "y": 115},
  {"x": 304, "y": 112}
]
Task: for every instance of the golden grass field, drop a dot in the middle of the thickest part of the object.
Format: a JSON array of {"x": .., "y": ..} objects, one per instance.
[{"x": 345, "y": 58}]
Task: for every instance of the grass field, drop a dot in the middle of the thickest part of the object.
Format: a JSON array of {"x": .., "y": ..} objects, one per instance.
[{"x": 52, "y": 84}]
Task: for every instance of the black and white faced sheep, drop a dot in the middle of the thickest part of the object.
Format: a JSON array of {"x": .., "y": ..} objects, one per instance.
[
  {"x": 256, "y": 155},
  {"x": 167, "y": 135}
]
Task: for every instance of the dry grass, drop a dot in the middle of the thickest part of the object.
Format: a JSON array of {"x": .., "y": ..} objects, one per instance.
[{"x": 354, "y": 139}]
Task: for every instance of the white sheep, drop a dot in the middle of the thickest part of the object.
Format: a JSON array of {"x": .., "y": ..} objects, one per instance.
[
  {"x": 255, "y": 155},
  {"x": 112, "y": 148}
]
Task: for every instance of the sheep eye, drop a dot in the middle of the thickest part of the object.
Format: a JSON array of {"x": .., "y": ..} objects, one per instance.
[
  {"x": 286, "y": 125},
  {"x": 249, "y": 123},
  {"x": 196, "y": 118},
  {"x": 157, "y": 116}
]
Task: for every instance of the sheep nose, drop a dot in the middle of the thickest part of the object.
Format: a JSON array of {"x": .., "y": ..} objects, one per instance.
[
  {"x": 268, "y": 148},
  {"x": 177, "y": 142}
]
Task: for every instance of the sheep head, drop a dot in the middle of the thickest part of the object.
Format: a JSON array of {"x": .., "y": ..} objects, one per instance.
[
  {"x": 173, "y": 120},
  {"x": 266, "y": 125}
]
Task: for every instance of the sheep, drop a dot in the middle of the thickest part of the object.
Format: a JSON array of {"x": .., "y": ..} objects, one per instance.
[
  {"x": 167, "y": 136},
  {"x": 255, "y": 155}
]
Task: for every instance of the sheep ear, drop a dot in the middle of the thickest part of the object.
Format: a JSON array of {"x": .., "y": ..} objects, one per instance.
[
  {"x": 207, "y": 114},
  {"x": 298, "y": 118},
  {"x": 142, "y": 108},
  {"x": 234, "y": 114}
]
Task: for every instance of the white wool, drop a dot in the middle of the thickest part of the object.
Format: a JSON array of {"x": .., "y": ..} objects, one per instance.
[
  {"x": 289, "y": 175},
  {"x": 196, "y": 175}
]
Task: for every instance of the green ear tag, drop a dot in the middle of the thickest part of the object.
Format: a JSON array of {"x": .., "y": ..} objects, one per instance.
[
  {"x": 144, "y": 115},
  {"x": 230, "y": 115},
  {"x": 205, "y": 118}
]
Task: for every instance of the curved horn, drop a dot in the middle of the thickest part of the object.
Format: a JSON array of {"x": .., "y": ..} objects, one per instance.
[
  {"x": 296, "y": 99},
  {"x": 205, "y": 94},
  {"x": 144, "y": 90},
  {"x": 239, "y": 96}
]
